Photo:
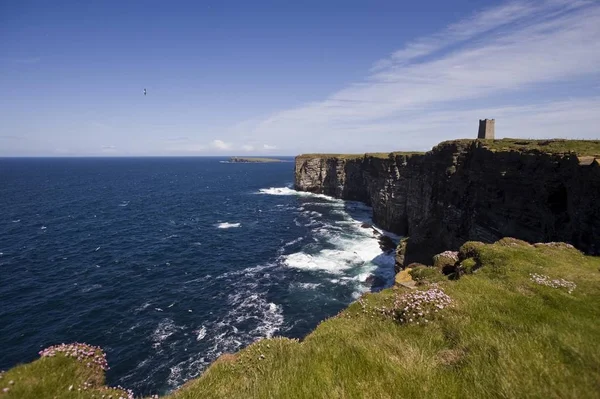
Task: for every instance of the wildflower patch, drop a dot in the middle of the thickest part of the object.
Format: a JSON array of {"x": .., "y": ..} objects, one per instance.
[
  {"x": 554, "y": 283},
  {"x": 87, "y": 354},
  {"x": 419, "y": 307}
]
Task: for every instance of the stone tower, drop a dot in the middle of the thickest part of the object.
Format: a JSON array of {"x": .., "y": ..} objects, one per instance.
[{"x": 486, "y": 129}]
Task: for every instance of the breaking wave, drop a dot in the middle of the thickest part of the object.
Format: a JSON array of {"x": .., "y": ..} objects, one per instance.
[{"x": 227, "y": 225}]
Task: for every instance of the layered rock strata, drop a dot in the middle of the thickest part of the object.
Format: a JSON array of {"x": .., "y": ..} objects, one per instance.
[{"x": 467, "y": 190}]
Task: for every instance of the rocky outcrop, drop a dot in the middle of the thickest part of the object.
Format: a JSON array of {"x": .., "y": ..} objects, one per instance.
[{"x": 467, "y": 190}]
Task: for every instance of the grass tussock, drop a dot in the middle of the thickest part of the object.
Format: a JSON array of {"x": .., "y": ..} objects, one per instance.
[{"x": 523, "y": 324}]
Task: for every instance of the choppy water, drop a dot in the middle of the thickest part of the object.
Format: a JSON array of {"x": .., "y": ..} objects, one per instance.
[{"x": 168, "y": 262}]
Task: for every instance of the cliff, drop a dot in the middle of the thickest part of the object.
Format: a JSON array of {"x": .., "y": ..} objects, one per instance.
[{"x": 470, "y": 190}]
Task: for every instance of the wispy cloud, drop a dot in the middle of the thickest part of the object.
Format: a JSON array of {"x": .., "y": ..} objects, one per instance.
[
  {"x": 24, "y": 60},
  {"x": 269, "y": 147},
  {"x": 221, "y": 145},
  {"x": 477, "y": 67}
]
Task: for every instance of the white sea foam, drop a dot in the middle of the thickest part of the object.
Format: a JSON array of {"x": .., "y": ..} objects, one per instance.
[
  {"x": 250, "y": 317},
  {"x": 16, "y": 221},
  {"x": 297, "y": 240},
  {"x": 329, "y": 260},
  {"x": 92, "y": 287},
  {"x": 306, "y": 286},
  {"x": 164, "y": 330},
  {"x": 289, "y": 191},
  {"x": 201, "y": 334},
  {"x": 199, "y": 279},
  {"x": 347, "y": 250},
  {"x": 227, "y": 225},
  {"x": 43, "y": 227},
  {"x": 124, "y": 203}
]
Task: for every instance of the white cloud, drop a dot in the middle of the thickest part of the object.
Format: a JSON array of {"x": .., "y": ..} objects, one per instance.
[
  {"x": 247, "y": 147},
  {"x": 269, "y": 147},
  {"x": 109, "y": 149},
  {"x": 479, "y": 67},
  {"x": 221, "y": 145}
]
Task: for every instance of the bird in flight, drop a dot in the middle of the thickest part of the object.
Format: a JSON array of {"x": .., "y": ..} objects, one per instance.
[{"x": 144, "y": 91}]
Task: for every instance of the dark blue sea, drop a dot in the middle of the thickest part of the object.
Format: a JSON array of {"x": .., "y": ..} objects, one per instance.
[{"x": 166, "y": 263}]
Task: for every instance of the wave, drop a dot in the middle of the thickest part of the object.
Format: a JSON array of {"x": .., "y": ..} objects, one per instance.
[
  {"x": 201, "y": 334},
  {"x": 297, "y": 240},
  {"x": 91, "y": 288},
  {"x": 343, "y": 248},
  {"x": 227, "y": 225},
  {"x": 306, "y": 286},
  {"x": 250, "y": 316},
  {"x": 332, "y": 261},
  {"x": 290, "y": 191},
  {"x": 164, "y": 330}
]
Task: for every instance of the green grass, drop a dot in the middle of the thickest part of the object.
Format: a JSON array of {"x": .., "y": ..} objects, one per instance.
[
  {"x": 505, "y": 336},
  {"x": 549, "y": 146},
  {"x": 382, "y": 155},
  {"x": 56, "y": 377}
]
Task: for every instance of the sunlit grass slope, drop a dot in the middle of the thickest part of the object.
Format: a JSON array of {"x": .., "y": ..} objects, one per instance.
[
  {"x": 71, "y": 371},
  {"x": 505, "y": 334}
]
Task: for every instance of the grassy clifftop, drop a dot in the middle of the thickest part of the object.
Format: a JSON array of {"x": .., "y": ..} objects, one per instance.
[
  {"x": 585, "y": 148},
  {"x": 383, "y": 155},
  {"x": 523, "y": 324},
  {"x": 549, "y": 146}
]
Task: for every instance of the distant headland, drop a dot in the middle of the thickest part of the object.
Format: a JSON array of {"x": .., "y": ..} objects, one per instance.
[{"x": 254, "y": 160}]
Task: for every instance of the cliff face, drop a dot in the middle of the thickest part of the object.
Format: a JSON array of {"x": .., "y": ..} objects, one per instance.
[{"x": 465, "y": 190}]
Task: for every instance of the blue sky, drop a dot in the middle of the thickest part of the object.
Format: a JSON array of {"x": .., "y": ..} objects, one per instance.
[{"x": 239, "y": 77}]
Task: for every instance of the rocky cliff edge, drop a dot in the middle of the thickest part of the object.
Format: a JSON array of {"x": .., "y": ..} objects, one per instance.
[{"x": 462, "y": 190}]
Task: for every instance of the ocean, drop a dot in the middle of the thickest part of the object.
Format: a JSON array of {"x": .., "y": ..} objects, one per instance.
[{"x": 166, "y": 263}]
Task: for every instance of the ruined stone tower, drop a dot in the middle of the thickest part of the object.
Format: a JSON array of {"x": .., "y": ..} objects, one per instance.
[{"x": 486, "y": 129}]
